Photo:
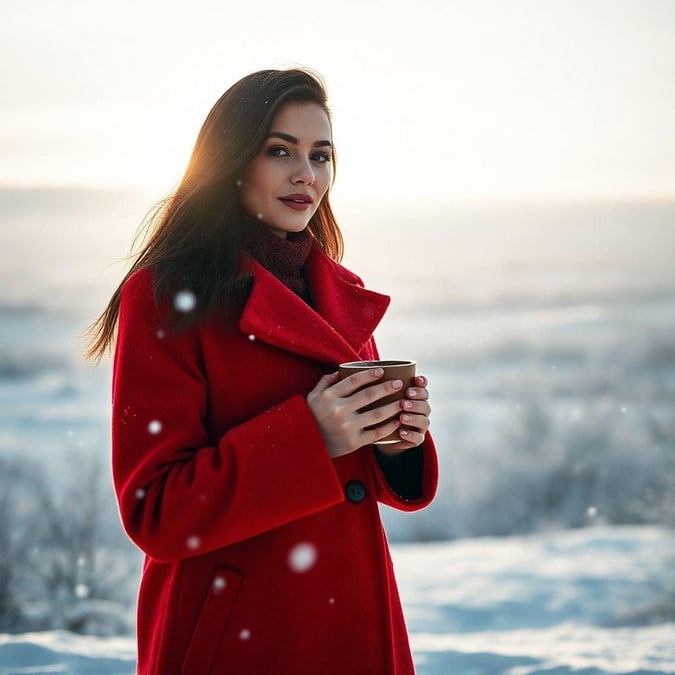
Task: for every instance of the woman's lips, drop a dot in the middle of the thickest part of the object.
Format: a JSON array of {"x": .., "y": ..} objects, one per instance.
[{"x": 296, "y": 206}]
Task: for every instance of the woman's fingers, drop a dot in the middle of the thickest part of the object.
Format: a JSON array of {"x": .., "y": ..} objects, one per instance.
[
  {"x": 416, "y": 407},
  {"x": 373, "y": 435},
  {"x": 419, "y": 393},
  {"x": 361, "y": 389},
  {"x": 350, "y": 384},
  {"x": 371, "y": 395},
  {"x": 368, "y": 418},
  {"x": 415, "y": 422},
  {"x": 412, "y": 437}
]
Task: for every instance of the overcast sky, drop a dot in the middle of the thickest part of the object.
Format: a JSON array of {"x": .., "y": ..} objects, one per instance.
[{"x": 433, "y": 100}]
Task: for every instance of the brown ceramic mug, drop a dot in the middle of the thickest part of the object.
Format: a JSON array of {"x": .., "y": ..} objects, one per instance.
[{"x": 393, "y": 370}]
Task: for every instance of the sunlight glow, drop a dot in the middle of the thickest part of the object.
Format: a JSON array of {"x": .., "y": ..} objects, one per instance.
[{"x": 457, "y": 101}]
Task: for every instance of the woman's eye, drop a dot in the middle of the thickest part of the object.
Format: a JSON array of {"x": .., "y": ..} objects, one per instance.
[
  {"x": 321, "y": 157},
  {"x": 277, "y": 150},
  {"x": 281, "y": 151}
]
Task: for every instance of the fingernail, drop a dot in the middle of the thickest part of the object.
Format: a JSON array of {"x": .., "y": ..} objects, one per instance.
[
  {"x": 407, "y": 405},
  {"x": 397, "y": 384},
  {"x": 377, "y": 372},
  {"x": 405, "y": 418},
  {"x": 404, "y": 432},
  {"x": 412, "y": 393}
]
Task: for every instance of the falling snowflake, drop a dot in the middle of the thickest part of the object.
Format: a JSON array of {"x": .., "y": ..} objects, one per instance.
[
  {"x": 81, "y": 591},
  {"x": 239, "y": 182},
  {"x": 193, "y": 542},
  {"x": 140, "y": 493},
  {"x": 591, "y": 512},
  {"x": 260, "y": 216},
  {"x": 245, "y": 634},
  {"x": 155, "y": 427},
  {"x": 251, "y": 337},
  {"x": 185, "y": 301},
  {"x": 219, "y": 584},
  {"x": 302, "y": 557},
  {"x": 160, "y": 333},
  {"x": 331, "y": 601}
]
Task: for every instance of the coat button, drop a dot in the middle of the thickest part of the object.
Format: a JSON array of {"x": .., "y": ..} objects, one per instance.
[{"x": 355, "y": 491}]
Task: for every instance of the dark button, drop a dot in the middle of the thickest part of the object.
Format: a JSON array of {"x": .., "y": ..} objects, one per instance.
[{"x": 355, "y": 491}]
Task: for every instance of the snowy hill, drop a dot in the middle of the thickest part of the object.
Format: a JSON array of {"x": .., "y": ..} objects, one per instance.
[{"x": 589, "y": 602}]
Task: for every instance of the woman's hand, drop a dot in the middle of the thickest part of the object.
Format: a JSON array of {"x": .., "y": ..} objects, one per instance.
[
  {"x": 415, "y": 411},
  {"x": 334, "y": 404}
]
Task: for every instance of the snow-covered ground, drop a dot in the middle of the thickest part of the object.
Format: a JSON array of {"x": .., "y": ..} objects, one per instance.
[
  {"x": 592, "y": 601},
  {"x": 598, "y": 600}
]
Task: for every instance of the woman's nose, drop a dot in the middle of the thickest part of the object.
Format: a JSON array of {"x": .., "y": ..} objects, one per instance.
[{"x": 303, "y": 174}]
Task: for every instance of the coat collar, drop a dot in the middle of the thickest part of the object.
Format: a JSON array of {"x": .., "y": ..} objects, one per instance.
[{"x": 333, "y": 330}]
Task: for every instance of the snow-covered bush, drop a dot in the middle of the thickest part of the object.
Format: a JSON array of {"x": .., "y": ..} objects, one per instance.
[{"x": 64, "y": 562}]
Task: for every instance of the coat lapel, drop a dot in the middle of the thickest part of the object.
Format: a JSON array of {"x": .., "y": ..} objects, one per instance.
[{"x": 342, "y": 318}]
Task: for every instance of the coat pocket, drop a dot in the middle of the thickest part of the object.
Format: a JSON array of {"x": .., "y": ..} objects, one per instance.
[{"x": 212, "y": 622}]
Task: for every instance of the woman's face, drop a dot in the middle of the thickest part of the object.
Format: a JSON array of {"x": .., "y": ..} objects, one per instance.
[{"x": 285, "y": 182}]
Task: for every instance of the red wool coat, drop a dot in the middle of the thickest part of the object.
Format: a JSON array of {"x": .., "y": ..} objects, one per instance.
[{"x": 259, "y": 558}]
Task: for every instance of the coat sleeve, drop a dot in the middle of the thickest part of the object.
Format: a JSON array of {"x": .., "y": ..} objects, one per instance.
[
  {"x": 179, "y": 494},
  {"x": 422, "y": 464}
]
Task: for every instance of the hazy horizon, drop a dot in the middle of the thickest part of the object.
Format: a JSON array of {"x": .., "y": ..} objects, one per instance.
[{"x": 71, "y": 243}]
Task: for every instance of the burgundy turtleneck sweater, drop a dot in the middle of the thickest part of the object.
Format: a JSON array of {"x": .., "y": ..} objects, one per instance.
[{"x": 284, "y": 258}]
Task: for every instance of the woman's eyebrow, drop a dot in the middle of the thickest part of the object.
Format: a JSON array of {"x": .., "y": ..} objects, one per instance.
[{"x": 294, "y": 140}]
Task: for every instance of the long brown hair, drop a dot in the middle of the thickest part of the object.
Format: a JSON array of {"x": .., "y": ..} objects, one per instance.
[{"x": 194, "y": 238}]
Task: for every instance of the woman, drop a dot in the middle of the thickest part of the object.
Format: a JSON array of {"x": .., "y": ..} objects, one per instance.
[{"x": 242, "y": 465}]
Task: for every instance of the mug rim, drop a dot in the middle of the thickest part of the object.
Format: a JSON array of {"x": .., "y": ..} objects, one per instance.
[{"x": 381, "y": 363}]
